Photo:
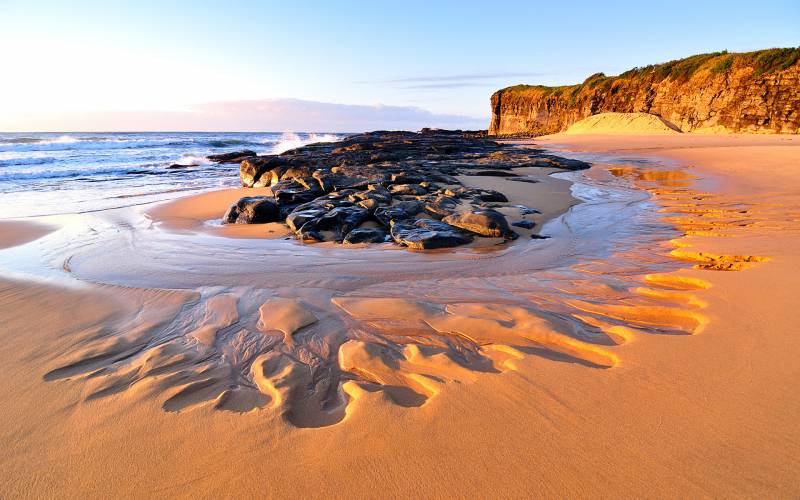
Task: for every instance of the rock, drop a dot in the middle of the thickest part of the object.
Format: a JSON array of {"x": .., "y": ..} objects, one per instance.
[
  {"x": 425, "y": 234},
  {"x": 399, "y": 211},
  {"x": 494, "y": 173},
  {"x": 525, "y": 224},
  {"x": 441, "y": 206},
  {"x": 485, "y": 222},
  {"x": 233, "y": 157},
  {"x": 525, "y": 210},
  {"x": 491, "y": 195},
  {"x": 252, "y": 210},
  {"x": 342, "y": 220},
  {"x": 252, "y": 169},
  {"x": 367, "y": 235},
  {"x": 291, "y": 192},
  {"x": 525, "y": 179},
  {"x": 178, "y": 165},
  {"x": 408, "y": 178},
  {"x": 411, "y": 189},
  {"x": 298, "y": 218}
]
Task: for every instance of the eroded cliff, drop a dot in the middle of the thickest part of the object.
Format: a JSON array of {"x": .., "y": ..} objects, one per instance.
[{"x": 748, "y": 92}]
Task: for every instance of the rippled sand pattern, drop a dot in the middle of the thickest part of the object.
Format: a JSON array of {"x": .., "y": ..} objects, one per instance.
[{"x": 306, "y": 332}]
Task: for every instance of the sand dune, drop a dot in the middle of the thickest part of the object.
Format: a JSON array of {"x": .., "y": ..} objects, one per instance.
[{"x": 622, "y": 124}]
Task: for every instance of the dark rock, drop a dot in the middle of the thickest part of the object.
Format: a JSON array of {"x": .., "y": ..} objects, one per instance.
[
  {"x": 525, "y": 224},
  {"x": 367, "y": 235},
  {"x": 399, "y": 211},
  {"x": 525, "y": 179},
  {"x": 252, "y": 210},
  {"x": 485, "y": 222},
  {"x": 178, "y": 165},
  {"x": 539, "y": 237},
  {"x": 441, "y": 206},
  {"x": 425, "y": 234},
  {"x": 524, "y": 210},
  {"x": 233, "y": 157},
  {"x": 491, "y": 195},
  {"x": 299, "y": 218}
]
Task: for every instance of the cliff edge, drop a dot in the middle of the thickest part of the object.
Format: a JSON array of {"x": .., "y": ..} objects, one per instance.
[{"x": 718, "y": 92}]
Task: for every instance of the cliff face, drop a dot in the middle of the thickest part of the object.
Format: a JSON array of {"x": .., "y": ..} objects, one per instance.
[{"x": 752, "y": 92}]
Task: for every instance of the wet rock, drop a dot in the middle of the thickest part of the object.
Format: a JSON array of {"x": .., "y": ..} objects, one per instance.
[
  {"x": 252, "y": 210},
  {"x": 299, "y": 218},
  {"x": 491, "y": 195},
  {"x": 525, "y": 224},
  {"x": 397, "y": 212},
  {"x": 441, "y": 206},
  {"x": 485, "y": 222},
  {"x": 425, "y": 234},
  {"x": 525, "y": 179},
  {"x": 233, "y": 157},
  {"x": 525, "y": 210},
  {"x": 179, "y": 166},
  {"x": 367, "y": 235}
]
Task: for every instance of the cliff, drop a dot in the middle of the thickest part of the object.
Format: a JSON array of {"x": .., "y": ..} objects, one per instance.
[{"x": 748, "y": 92}]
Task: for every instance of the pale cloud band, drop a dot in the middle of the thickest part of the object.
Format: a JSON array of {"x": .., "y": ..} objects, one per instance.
[{"x": 245, "y": 116}]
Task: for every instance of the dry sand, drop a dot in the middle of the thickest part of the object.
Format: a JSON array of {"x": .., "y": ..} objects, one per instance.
[
  {"x": 622, "y": 124},
  {"x": 634, "y": 413}
]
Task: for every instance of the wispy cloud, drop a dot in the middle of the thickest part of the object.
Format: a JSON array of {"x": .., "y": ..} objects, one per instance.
[{"x": 255, "y": 115}]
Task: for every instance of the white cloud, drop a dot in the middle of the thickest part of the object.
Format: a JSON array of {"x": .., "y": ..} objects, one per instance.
[{"x": 265, "y": 115}]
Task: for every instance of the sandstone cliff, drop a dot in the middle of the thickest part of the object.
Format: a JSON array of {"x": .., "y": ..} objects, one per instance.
[{"x": 749, "y": 92}]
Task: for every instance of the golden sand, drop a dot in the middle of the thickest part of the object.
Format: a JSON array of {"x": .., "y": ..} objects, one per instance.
[{"x": 684, "y": 387}]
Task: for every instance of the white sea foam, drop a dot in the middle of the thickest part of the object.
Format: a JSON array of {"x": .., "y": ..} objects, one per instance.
[
  {"x": 192, "y": 159},
  {"x": 290, "y": 140}
]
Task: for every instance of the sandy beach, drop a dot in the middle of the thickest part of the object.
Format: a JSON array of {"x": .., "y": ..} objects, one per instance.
[{"x": 648, "y": 348}]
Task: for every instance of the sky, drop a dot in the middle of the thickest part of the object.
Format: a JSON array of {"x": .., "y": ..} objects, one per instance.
[{"x": 336, "y": 66}]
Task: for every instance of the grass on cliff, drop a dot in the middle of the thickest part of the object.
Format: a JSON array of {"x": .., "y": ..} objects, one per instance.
[{"x": 762, "y": 62}]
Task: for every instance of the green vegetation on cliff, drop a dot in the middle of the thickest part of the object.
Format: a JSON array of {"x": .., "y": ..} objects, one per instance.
[{"x": 762, "y": 62}]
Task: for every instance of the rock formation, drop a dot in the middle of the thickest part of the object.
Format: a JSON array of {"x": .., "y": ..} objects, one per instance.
[
  {"x": 721, "y": 92},
  {"x": 373, "y": 187}
]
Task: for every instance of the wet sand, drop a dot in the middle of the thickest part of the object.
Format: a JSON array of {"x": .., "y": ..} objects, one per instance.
[
  {"x": 13, "y": 233},
  {"x": 614, "y": 358}
]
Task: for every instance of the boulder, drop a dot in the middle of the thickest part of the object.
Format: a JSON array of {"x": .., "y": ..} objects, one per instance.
[
  {"x": 485, "y": 222},
  {"x": 399, "y": 211},
  {"x": 367, "y": 235},
  {"x": 426, "y": 234},
  {"x": 253, "y": 210},
  {"x": 251, "y": 170},
  {"x": 491, "y": 195},
  {"x": 525, "y": 224},
  {"x": 232, "y": 157},
  {"x": 441, "y": 206}
]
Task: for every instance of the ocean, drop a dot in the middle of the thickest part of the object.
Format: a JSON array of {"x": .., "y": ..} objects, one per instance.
[{"x": 59, "y": 173}]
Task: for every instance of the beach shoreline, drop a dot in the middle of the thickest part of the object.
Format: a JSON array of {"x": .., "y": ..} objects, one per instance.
[{"x": 686, "y": 411}]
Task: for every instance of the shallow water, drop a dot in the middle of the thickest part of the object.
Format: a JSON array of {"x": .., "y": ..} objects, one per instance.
[{"x": 382, "y": 318}]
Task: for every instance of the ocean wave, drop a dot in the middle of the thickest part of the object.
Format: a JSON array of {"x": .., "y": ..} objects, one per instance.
[
  {"x": 192, "y": 159},
  {"x": 290, "y": 140}
]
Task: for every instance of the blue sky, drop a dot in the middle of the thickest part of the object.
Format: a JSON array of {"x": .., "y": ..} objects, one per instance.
[{"x": 72, "y": 61}]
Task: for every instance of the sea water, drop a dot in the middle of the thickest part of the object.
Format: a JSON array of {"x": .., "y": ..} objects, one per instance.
[{"x": 58, "y": 173}]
